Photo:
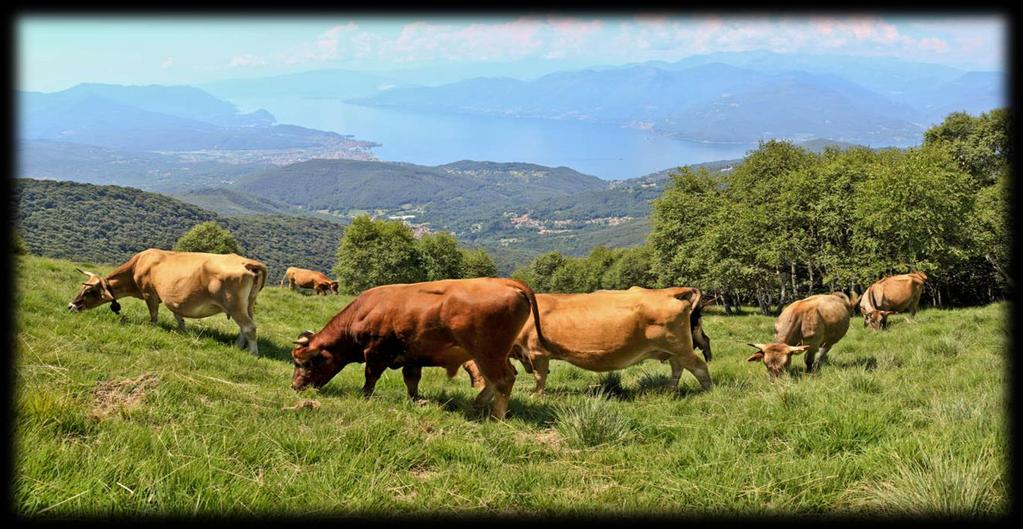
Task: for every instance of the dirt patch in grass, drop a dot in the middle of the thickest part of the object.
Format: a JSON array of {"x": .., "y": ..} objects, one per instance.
[
  {"x": 546, "y": 438},
  {"x": 112, "y": 396},
  {"x": 303, "y": 404}
]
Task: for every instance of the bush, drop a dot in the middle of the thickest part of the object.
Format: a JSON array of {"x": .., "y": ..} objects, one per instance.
[
  {"x": 208, "y": 237},
  {"x": 478, "y": 263},
  {"x": 377, "y": 252}
]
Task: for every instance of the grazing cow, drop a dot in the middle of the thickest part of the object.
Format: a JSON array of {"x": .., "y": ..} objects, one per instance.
[
  {"x": 609, "y": 330},
  {"x": 411, "y": 326},
  {"x": 890, "y": 295},
  {"x": 808, "y": 325},
  {"x": 303, "y": 278},
  {"x": 191, "y": 284}
]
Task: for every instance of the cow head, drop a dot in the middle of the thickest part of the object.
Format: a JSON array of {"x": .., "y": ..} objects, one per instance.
[
  {"x": 95, "y": 292},
  {"x": 313, "y": 366},
  {"x": 333, "y": 287},
  {"x": 776, "y": 356},
  {"x": 877, "y": 319}
]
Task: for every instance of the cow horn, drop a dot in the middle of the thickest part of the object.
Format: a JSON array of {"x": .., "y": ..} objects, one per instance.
[
  {"x": 756, "y": 345},
  {"x": 90, "y": 274}
]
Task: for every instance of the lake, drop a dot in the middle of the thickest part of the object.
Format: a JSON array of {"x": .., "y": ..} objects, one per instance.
[{"x": 425, "y": 138}]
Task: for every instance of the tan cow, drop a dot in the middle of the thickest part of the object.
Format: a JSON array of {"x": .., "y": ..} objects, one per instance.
[
  {"x": 191, "y": 284},
  {"x": 812, "y": 324},
  {"x": 303, "y": 278},
  {"x": 890, "y": 295},
  {"x": 609, "y": 330},
  {"x": 411, "y": 326}
]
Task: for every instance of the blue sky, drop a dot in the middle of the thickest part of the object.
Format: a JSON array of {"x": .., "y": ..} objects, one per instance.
[{"x": 55, "y": 53}]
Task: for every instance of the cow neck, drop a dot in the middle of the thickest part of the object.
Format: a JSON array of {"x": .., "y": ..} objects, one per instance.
[{"x": 122, "y": 283}]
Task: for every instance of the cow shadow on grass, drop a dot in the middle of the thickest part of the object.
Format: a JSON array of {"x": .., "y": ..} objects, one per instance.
[
  {"x": 521, "y": 407},
  {"x": 267, "y": 348}
]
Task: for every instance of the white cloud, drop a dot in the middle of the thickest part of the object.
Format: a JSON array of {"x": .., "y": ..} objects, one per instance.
[
  {"x": 167, "y": 63},
  {"x": 246, "y": 60}
]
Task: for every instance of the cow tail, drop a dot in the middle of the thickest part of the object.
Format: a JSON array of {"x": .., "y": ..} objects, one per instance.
[
  {"x": 284, "y": 278},
  {"x": 531, "y": 297},
  {"x": 260, "y": 271}
]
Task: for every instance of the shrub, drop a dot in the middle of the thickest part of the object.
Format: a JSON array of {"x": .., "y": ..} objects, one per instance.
[{"x": 208, "y": 237}]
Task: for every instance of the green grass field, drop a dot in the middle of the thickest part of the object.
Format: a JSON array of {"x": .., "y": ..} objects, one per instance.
[{"x": 122, "y": 417}]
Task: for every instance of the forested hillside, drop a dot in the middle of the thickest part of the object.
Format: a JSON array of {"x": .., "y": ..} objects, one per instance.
[
  {"x": 107, "y": 224},
  {"x": 788, "y": 222}
]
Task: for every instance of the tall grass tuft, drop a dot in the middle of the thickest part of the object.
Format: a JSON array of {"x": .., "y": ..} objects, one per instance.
[
  {"x": 593, "y": 421},
  {"x": 944, "y": 346},
  {"x": 939, "y": 483}
]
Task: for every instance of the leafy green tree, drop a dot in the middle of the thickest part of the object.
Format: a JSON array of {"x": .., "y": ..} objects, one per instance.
[
  {"x": 634, "y": 267},
  {"x": 911, "y": 214},
  {"x": 994, "y": 242},
  {"x": 980, "y": 145},
  {"x": 377, "y": 252},
  {"x": 539, "y": 273},
  {"x": 441, "y": 257},
  {"x": 207, "y": 237},
  {"x": 478, "y": 263}
]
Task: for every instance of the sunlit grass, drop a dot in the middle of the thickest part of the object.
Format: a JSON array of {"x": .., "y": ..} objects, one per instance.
[{"x": 117, "y": 416}]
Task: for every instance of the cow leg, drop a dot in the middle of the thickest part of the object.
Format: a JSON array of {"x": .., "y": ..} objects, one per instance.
[
  {"x": 181, "y": 322},
  {"x": 475, "y": 378},
  {"x": 809, "y": 358},
  {"x": 412, "y": 374},
  {"x": 247, "y": 334},
  {"x": 695, "y": 365},
  {"x": 373, "y": 372},
  {"x": 540, "y": 369},
  {"x": 153, "y": 304},
  {"x": 500, "y": 377},
  {"x": 824, "y": 354}
]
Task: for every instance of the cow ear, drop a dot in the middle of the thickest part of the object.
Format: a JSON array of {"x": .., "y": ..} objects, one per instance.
[
  {"x": 757, "y": 356},
  {"x": 303, "y": 339}
]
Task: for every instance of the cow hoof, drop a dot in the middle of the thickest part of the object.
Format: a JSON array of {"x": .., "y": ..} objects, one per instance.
[{"x": 421, "y": 402}]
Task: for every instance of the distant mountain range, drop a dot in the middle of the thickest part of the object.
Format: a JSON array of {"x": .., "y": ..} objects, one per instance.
[
  {"x": 730, "y": 97},
  {"x": 173, "y": 119}
]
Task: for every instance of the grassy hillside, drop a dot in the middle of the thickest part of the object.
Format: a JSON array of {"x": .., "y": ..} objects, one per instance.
[
  {"x": 117, "y": 417},
  {"x": 109, "y": 224}
]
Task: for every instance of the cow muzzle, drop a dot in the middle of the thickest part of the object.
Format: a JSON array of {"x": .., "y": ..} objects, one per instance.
[{"x": 73, "y": 308}]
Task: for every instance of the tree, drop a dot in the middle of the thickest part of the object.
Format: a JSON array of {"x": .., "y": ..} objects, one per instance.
[
  {"x": 980, "y": 145},
  {"x": 634, "y": 267},
  {"x": 377, "y": 252},
  {"x": 208, "y": 237},
  {"x": 478, "y": 263},
  {"x": 992, "y": 231},
  {"x": 539, "y": 273},
  {"x": 441, "y": 257},
  {"x": 18, "y": 246}
]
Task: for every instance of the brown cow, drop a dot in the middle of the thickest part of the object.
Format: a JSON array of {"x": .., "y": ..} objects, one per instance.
[
  {"x": 191, "y": 284},
  {"x": 808, "y": 325},
  {"x": 303, "y": 278},
  {"x": 609, "y": 330},
  {"x": 890, "y": 295},
  {"x": 411, "y": 326}
]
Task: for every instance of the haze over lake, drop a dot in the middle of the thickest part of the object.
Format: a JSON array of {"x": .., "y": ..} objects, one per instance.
[{"x": 605, "y": 151}]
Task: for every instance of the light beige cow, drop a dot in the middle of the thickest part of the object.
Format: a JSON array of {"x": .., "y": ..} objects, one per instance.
[
  {"x": 609, "y": 330},
  {"x": 812, "y": 324},
  {"x": 304, "y": 278},
  {"x": 191, "y": 284},
  {"x": 892, "y": 294}
]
